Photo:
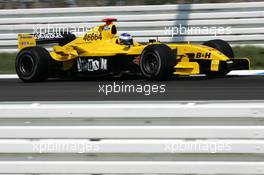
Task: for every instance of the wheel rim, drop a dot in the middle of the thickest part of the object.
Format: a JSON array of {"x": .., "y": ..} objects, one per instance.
[
  {"x": 26, "y": 64},
  {"x": 151, "y": 63}
]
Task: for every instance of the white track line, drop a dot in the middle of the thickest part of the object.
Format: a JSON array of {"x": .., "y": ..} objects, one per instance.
[
  {"x": 236, "y": 72},
  {"x": 8, "y": 76},
  {"x": 247, "y": 72}
]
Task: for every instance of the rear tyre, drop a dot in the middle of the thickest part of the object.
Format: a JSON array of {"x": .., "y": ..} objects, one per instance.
[
  {"x": 224, "y": 48},
  {"x": 157, "y": 62},
  {"x": 32, "y": 64}
]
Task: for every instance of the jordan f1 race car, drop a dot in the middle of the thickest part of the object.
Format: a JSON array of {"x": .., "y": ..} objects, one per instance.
[{"x": 100, "y": 52}]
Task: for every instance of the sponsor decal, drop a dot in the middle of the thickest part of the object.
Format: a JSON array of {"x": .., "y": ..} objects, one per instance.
[
  {"x": 203, "y": 55},
  {"x": 26, "y": 43},
  {"x": 26, "y": 36},
  {"x": 48, "y": 35},
  {"x": 136, "y": 60},
  {"x": 91, "y": 64},
  {"x": 92, "y": 37}
]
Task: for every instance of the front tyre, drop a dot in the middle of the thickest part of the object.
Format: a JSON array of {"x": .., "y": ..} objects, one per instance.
[
  {"x": 224, "y": 48},
  {"x": 157, "y": 62},
  {"x": 32, "y": 64}
]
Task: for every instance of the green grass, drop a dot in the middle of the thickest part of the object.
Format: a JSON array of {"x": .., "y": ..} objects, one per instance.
[
  {"x": 7, "y": 63},
  {"x": 255, "y": 54}
]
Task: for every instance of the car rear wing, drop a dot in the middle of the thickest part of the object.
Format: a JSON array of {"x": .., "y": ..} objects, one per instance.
[
  {"x": 31, "y": 40},
  {"x": 26, "y": 40}
]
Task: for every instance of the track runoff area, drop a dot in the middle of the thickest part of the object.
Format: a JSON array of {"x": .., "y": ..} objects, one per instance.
[{"x": 237, "y": 85}]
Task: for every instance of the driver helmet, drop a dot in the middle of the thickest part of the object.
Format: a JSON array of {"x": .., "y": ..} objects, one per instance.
[{"x": 126, "y": 39}]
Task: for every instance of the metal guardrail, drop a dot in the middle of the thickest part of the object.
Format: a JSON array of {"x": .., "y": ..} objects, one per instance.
[
  {"x": 132, "y": 137},
  {"x": 239, "y": 23}
]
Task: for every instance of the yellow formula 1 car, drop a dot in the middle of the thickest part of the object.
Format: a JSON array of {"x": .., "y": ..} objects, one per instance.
[{"x": 100, "y": 52}]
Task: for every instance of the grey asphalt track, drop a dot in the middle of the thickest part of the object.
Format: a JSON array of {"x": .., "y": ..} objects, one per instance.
[{"x": 184, "y": 88}]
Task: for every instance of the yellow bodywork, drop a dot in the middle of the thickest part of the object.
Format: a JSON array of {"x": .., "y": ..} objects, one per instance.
[{"x": 101, "y": 41}]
